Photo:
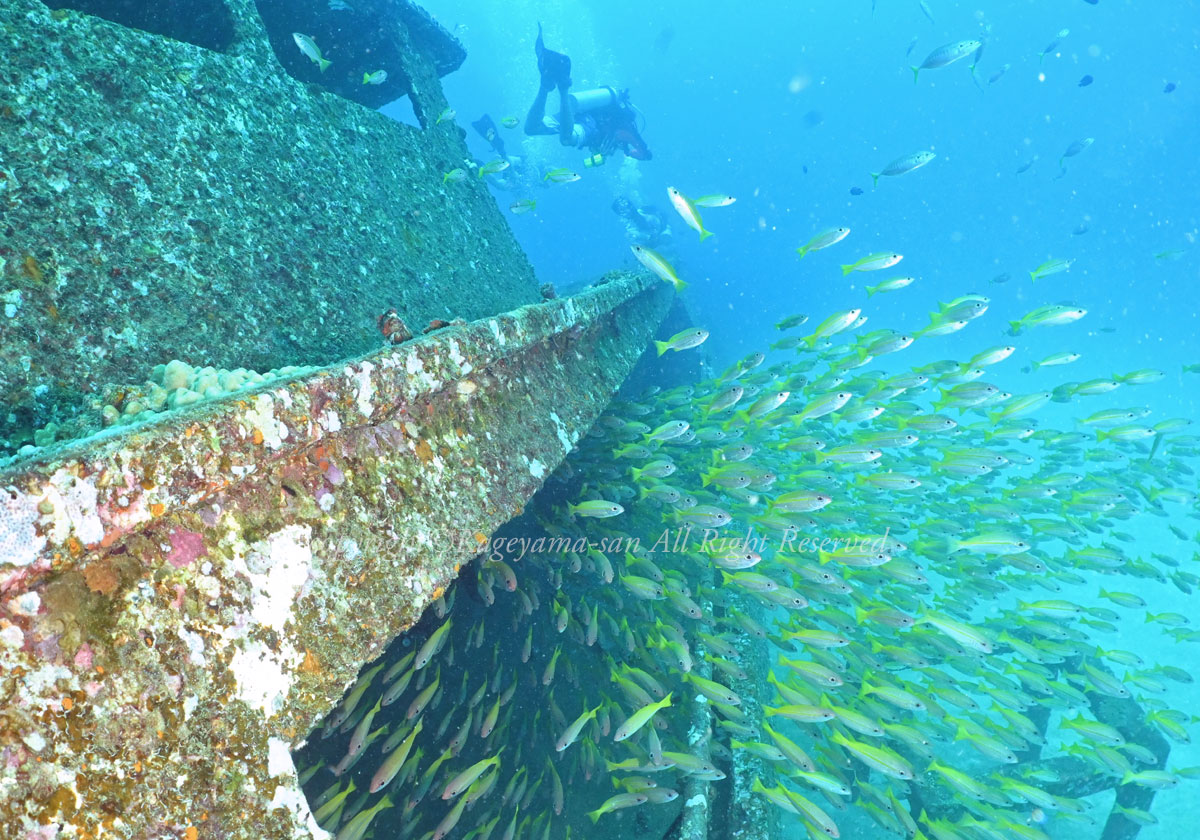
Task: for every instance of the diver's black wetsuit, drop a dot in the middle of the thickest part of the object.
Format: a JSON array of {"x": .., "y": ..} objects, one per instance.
[{"x": 601, "y": 120}]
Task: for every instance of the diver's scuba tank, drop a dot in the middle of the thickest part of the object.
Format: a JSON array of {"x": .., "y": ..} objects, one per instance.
[
  {"x": 593, "y": 100},
  {"x": 594, "y": 160}
]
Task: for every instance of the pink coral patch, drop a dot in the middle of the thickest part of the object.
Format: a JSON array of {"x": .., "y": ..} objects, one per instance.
[
  {"x": 83, "y": 656},
  {"x": 335, "y": 476},
  {"x": 186, "y": 546}
]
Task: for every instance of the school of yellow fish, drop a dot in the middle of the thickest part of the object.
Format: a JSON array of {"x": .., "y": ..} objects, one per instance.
[{"x": 900, "y": 540}]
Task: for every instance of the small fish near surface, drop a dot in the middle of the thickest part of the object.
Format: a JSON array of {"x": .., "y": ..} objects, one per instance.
[
  {"x": 510, "y": 122},
  {"x": 308, "y": 47},
  {"x": 872, "y": 262},
  {"x": 688, "y": 212},
  {"x": 1170, "y": 255},
  {"x": 895, "y": 284},
  {"x": 903, "y": 165},
  {"x": 715, "y": 200},
  {"x": 561, "y": 175},
  {"x": 522, "y": 205},
  {"x": 823, "y": 240},
  {"x": 1050, "y": 267},
  {"x": 791, "y": 321},
  {"x": 946, "y": 55},
  {"x": 1056, "y": 359},
  {"x": 596, "y": 508},
  {"x": 977, "y": 56},
  {"x": 659, "y": 266},
  {"x": 1053, "y": 45},
  {"x": 1075, "y": 148},
  {"x": 1047, "y": 316},
  {"x": 685, "y": 340},
  {"x": 1085, "y": 81},
  {"x": 492, "y": 167},
  {"x": 376, "y": 78}
]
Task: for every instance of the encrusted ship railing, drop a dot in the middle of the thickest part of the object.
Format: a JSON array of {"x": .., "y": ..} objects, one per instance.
[{"x": 183, "y": 598}]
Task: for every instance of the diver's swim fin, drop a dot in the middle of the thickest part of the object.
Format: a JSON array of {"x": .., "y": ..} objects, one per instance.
[
  {"x": 487, "y": 129},
  {"x": 553, "y": 67}
]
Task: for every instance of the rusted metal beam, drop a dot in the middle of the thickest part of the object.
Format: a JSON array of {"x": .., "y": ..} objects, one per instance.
[{"x": 182, "y": 599}]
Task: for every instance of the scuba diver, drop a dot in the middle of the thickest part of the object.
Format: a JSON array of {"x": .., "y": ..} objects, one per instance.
[
  {"x": 520, "y": 176},
  {"x": 601, "y": 120},
  {"x": 643, "y": 225}
]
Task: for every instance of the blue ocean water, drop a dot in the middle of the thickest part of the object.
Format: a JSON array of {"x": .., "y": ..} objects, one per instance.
[
  {"x": 790, "y": 106},
  {"x": 731, "y": 93}
]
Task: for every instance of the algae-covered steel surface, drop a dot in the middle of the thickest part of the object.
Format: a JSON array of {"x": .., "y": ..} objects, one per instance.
[
  {"x": 182, "y": 599},
  {"x": 739, "y": 812},
  {"x": 160, "y": 200}
]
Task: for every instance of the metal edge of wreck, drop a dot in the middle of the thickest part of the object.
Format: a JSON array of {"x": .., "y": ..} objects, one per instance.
[{"x": 182, "y": 600}]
